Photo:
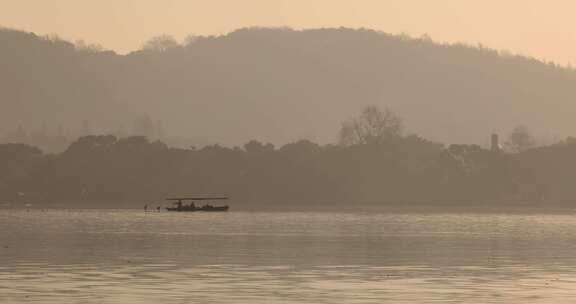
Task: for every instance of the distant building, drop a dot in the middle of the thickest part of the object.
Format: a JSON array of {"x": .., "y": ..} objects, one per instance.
[{"x": 494, "y": 143}]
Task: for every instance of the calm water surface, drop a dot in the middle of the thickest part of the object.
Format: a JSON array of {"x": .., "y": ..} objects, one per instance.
[{"x": 237, "y": 257}]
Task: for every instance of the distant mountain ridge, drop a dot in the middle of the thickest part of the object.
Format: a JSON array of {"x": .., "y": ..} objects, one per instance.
[{"x": 280, "y": 85}]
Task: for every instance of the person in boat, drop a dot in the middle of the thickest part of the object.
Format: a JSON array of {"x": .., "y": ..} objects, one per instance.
[{"x": 179, "y": 205}]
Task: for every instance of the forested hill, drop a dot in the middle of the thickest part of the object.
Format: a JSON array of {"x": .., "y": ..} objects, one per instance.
[{"x": 278, "y": 85}]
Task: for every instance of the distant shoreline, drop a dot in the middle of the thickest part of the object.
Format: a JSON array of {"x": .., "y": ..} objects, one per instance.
[{"x": 429, "y": 209}]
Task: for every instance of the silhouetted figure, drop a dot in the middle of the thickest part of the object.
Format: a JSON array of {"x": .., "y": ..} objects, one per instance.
[
  {"x": 158, "y": 208},
  {"x": 146, "y": 208}
]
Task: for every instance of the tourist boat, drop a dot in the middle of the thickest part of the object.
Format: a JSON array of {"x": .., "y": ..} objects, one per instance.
[{"x": 181, "y": 206}]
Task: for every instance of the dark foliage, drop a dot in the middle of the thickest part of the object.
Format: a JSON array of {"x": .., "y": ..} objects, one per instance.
[{"x": 105, "y": 171}]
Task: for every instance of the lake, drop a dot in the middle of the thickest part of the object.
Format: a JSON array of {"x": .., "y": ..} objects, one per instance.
[{"x": 128, "y": 256}]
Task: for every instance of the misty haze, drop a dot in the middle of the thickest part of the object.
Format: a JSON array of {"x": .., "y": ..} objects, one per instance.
[
  {"x": 274, "y": 85},
  {"x": 334, "y": 163}
]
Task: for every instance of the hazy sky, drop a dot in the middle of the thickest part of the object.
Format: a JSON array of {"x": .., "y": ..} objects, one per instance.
[{"x": 544, "y": 29}]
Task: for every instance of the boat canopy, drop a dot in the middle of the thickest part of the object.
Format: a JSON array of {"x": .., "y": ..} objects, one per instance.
[{"x": 198, "y": 198}]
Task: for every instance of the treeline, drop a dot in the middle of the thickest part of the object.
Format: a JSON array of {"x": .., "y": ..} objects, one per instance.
[{"x": 109, "y": 172}]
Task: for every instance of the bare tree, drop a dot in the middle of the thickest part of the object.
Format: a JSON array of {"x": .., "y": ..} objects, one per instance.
[
  {"x": 372, "y": 126},
  {"x": 190, "y": 39},
  {"x": 160, "y": 43},
  {"x": 143, "y": 126},
  {"x": 520, "y": 139},
  {"x": 82, "y": 46}
]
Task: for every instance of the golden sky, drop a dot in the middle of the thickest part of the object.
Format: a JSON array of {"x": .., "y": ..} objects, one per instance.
[{"x": 539, "y": 28}]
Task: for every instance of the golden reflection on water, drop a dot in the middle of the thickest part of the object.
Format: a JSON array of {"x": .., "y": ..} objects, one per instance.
[{"x": 132, "y": 257}]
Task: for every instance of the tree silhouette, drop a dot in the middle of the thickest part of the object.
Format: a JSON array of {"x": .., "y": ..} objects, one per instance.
[
  {"x": 160, "y": 43},
  {"x": 520, "y": 139},
  {"x": 143, "y": 126},
  {"x": 372, "y": 126}
]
